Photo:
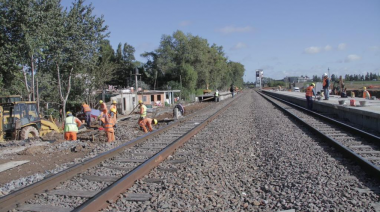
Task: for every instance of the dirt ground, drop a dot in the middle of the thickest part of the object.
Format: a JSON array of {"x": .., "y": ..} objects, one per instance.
[{"x": 43, "y": 157}]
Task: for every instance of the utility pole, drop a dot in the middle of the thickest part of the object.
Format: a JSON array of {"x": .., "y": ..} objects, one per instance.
[
  {"x": 136, "y": 73},
  {"x": 180, "y": 81},
  {"x": 328, "y": 70}
]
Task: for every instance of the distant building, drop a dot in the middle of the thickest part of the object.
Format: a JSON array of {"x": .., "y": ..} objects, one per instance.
[
  {"x": 127, "y": 100},
  {"x": 157, "y": 97},
  {"x": 297, "y": 79}
]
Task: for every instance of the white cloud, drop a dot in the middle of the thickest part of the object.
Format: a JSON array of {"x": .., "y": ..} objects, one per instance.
[
  {"x": 185, "y": 23},
  {"x": 312, "y": 50},
  {"x": 328, "y": 48},
  {"x": 232, "y": 29},
  {"x": 239, "y": 45},
  {"x": 352, "y": 57},
  {"x": 342, "y": 46}
]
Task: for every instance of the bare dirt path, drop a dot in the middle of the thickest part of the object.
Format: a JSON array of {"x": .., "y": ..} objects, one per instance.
[{"x": 44, "y": 156}]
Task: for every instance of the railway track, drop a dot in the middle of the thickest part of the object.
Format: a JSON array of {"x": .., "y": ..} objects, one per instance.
[
  {"x": 93, "y": 184},
  {"x": 358, "y": 145}
]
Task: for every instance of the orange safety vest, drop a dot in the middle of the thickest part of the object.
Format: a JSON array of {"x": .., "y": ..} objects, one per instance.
[
  {"x": 324, "y": 82},
  {"x": 86, "y": 108},
  {"x": 108, "y": 125},
  {"x": 366, "y": 95},
  {"x": 309, "y": 91}
]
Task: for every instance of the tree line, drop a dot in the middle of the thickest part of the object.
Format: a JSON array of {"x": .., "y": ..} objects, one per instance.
[
  {"x": 351, "y": 77},
  {"x": 61, "y": 56}
]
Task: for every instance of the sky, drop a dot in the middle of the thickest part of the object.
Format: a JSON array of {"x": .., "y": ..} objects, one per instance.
[{"x": 282, "y": 37}]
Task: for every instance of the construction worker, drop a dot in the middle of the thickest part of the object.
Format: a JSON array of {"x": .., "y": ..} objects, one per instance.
[
  {"x": 142, "y": 111},
  {"x": 103, "y": 110},
  {"x": 326, "y": 85},
  {"x": 309, "y": 96},
  {"x": 113, "y": 111},
  {"x": 103, "y": 107},
  {"x": 87, "y": 111},
  {"x": 148, "y": 122},
  {"x": 216, "y": 95},
  {"x": 366, "y": 94},
  {"x": 108, "y": 127},
  {"x": 70, "y": 127}
]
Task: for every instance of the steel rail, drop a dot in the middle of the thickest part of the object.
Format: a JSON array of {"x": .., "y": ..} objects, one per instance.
[
  {"x": 112, "y": 193},
  {"x": 18, "y": 197},
  {"x": 367, "y": 166}
]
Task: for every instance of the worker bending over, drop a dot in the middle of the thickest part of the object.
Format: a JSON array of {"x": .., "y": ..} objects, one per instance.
[
  {"x": 108, "y": 124},
  {"x": 70, "y": 127},
  {"x": 148, "y": 122},
  {"x": 309, "y": 96},
  {"x": 142, "y": 112},
  {"x": 87, "y": 111},
  {"x": 366, "y": 94}
]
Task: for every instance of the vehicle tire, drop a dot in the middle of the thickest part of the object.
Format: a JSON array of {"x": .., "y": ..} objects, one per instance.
[{"x": 29, "y": 132}]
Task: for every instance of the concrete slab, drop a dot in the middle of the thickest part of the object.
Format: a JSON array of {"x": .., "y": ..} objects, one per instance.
[
  {"x": 12, "y": 164},
  {"x": 367, "y": 116}
]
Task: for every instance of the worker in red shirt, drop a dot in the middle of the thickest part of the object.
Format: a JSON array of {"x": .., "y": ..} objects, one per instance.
[
  {"x": 309, "y": 96},
  {"x": 71, "y": 126}
]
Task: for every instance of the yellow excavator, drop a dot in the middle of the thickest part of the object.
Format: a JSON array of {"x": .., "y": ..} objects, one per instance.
[{"x": 20, "y": 120}]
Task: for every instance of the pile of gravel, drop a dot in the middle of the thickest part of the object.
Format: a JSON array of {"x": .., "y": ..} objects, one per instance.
[{"x": 254, "y": 158}]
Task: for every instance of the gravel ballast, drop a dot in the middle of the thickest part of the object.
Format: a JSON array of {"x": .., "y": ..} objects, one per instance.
[{"x": 255, "y": 158}]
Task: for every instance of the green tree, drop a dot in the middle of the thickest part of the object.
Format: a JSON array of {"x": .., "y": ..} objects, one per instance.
[{"x": 73, "y": 44}]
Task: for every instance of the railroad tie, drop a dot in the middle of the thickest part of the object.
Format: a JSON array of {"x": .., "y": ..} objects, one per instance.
[
  {"x": 335, "y": 134},
  {"x": 130, "y": 160},
  {"x": 143, "y": 154},
  {"x": 359, "y": 146},
  {"x": 118, "y": 168},
  {"x": 177, "y": 161},
  {"x": 152, "y": 147},
  {"x": 167, "y": 169},
  {"x": 138, "y": 197},
  {"x": 368, "y": 152},
  {"x": 100, "y": 178},
  {"x": 43, "y": 208},
  {"x": 372, "y": 158},
  {"x": 153, "y": 180},
  {"x": 73, "y": 193}
]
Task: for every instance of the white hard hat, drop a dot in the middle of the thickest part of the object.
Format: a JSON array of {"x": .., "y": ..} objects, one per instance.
[{"x": 325, "y": 74}]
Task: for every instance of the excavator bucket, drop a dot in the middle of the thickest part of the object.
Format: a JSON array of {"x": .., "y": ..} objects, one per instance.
[{"x": 48, "y": 126}]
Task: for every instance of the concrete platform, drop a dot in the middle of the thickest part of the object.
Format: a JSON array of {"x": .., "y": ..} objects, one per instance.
[
  {"x": 210, "y": 97},
  {"x": 367, "y": 116}
]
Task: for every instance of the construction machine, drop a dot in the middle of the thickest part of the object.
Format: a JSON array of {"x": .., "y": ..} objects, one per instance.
[{"x": 20, "y": 120}]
